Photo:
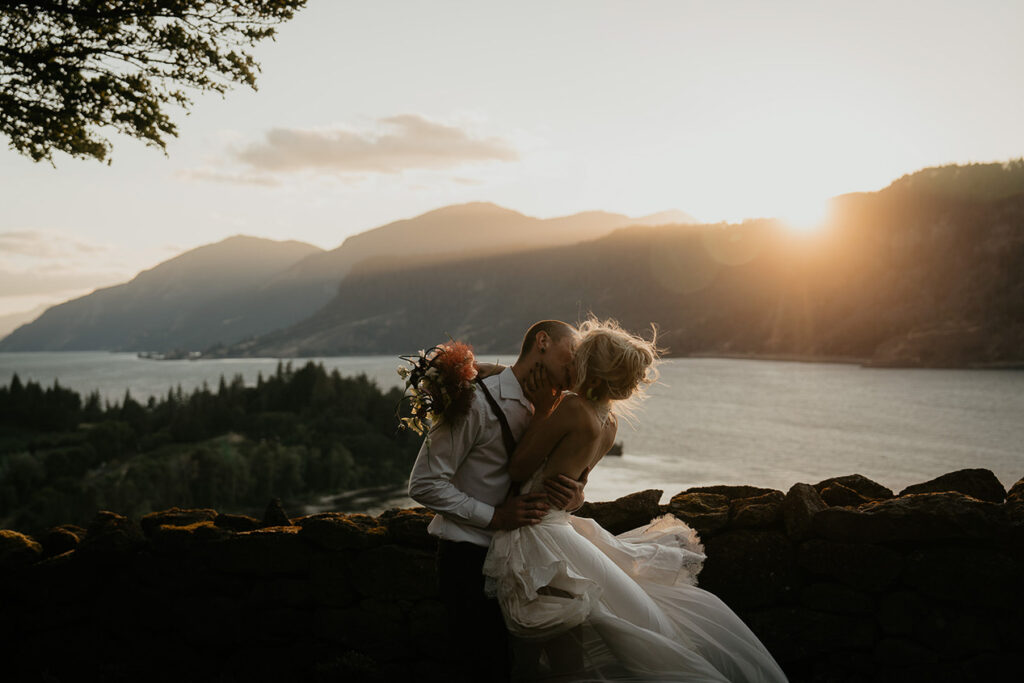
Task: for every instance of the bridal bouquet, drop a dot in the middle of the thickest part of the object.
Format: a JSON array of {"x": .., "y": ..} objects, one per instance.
[{"x": 439, "y": 385}]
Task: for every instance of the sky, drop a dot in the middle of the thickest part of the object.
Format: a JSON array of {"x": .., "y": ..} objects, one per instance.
[{"x": 367, "y": 113}]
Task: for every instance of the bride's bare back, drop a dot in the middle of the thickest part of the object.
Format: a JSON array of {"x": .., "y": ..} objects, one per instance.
[
  {"x": 572, "y": 439},
  {"x": 586, "y": 441}
]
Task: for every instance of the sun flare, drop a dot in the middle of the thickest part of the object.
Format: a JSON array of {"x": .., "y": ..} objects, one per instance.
[{"x": 806, "y": 219}]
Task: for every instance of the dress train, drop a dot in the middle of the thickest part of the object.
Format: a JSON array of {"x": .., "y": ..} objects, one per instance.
[{"x": 583, "y": 604}]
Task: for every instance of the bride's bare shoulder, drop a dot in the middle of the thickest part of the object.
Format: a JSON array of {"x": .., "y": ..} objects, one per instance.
[
  {"x": 572, "y": 404},
  {"x": 579, "y": 410}
]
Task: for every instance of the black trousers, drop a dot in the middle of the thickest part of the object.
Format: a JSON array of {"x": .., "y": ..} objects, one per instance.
[{"x": 476, "y": 622}]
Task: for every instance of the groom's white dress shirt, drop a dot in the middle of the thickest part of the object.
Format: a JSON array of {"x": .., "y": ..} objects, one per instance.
[{"x": 461, "y": 471}]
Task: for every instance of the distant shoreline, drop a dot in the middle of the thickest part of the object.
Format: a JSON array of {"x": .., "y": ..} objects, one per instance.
[
  {"x": 792, "y": 357},
  {"x": 862, "y": 361},
  {"x": 853, "y": 360},
  {"x": 865, "y": 362}
]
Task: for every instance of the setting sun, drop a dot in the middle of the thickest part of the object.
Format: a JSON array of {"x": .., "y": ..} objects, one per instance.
[{"x": 807, "y": 219}]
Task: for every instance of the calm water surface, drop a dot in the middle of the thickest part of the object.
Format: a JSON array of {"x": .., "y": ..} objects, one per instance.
[{"x": 708, "y": 421}]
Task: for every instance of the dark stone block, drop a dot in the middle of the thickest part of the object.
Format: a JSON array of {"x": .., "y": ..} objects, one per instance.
[
  {"x": 17, "y": 550},
  {"x": 859, "y": 483},
  {"x": 390, "y": 617},
  {"x": 280, "y": 592},
  {"x": 732, "y": 492},
  {"x": 201, "y": 620},
  {"x": 263, "y": 552},
  {"x": 272, "y": 661},
  {"x": 175, "y": 516},
  {"x": 428, "y": 626},
  {"x": 60, "y": 539},
  {"x": 914, "y": 517},
  {"x": 331, "y": 580},
  {"x": 111, "y": 534},
  {"x": 837, "y": 495},
  {"x": 409, "y": 527},
  {"x": 623, "y": 514},
  {"x": 902, "y": 652},
  {"x": 281, "y": 624},
  {"x": 337, "y": 531},
  {"x": 236, "y": 522},
  {"x": 331, "y": 623},
  {"x": 705, "y": 512},
  {"x": 993, "y": 666},
  {"x": 62, "y": 580},
  {"x": 838, "y": 667},
  {"x": 352, "y": 666},
  {"x": 747, "y": 568},
  {"x": 756, "y": 512},
  {"x": 977, "y": 483},
  {"x": 951, "y": 630},
  {"x": 861, "y": 566},
  {"x": 169, "y": 538},
  {"x": 374, "y": 627},
  {"x": 1015, "y": 505},
  {"x": 837, "y": 597},
  {"x": 75, "y": 529},
  {"x": 793, "y": 634},
  {"x": 799, "y": 506},
  {"x": 904, "y": 613},
  {"x": 393, "y": 571},
  {"x": 942, "y": 573}
]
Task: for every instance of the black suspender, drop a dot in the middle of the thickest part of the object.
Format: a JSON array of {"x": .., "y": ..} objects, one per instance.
[{"x": 506, "y": 431}]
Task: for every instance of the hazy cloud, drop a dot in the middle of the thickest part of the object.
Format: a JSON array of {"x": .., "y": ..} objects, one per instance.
[
  {"x": 40, "y": 265},
  {"x": 24, "y": 283},
  {"x": 223, "y": 177},
  {"x": 45, "y": 244},
  {"x": 400, "y": 143}
]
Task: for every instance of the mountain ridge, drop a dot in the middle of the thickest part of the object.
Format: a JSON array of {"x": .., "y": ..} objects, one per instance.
[
  {"x": 270, "y": 294},
  {"x": 188, "y": 288},
  {"x": 900, "y": 276}
]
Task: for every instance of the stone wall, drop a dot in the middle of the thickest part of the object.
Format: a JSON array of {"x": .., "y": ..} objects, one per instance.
[{"x": 842, "y": 581}]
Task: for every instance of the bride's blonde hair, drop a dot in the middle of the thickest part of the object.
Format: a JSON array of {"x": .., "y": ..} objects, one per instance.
[{"x": 625, "y": 363}]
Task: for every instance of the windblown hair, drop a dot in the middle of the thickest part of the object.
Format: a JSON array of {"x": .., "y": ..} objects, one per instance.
[{"x": 624, "y": 362}]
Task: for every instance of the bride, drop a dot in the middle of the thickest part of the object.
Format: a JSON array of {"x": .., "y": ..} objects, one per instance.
[{"x": 583, "y": 604}]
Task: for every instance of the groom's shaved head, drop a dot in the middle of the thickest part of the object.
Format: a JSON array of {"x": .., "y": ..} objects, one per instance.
[{"x": 556, "y": 329}]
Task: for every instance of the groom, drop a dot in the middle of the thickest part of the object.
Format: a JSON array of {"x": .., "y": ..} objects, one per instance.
[{"x": 461, "y": 474}]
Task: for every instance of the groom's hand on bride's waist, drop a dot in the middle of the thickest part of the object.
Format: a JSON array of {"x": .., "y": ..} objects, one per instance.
[
  {"x": 566, "y": 493},
  {"x": 519, "y": 511}
]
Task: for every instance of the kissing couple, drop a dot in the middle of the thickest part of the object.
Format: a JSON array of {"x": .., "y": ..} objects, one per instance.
[{"x": 533, "y": 592}]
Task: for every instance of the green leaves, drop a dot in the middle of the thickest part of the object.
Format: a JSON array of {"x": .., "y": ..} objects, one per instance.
[{"x": 71, "y": 71}]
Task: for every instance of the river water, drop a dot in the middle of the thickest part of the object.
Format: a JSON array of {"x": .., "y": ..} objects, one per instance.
[{"x": 707, "y": 421}]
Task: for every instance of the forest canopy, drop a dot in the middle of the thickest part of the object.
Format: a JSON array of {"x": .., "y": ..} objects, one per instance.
[{"x": 294, "y": 435}]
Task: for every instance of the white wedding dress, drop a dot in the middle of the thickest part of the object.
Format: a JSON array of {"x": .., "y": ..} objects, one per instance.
[{"x": 584, "y": 605}]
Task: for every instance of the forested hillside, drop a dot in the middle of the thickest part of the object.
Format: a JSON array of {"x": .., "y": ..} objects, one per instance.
[
  {"x": 190, "y": 301},
  {"x": 916, "y": 274},
  {"x": 295, "y": 434},
  {"x": 241, "y": 287}
]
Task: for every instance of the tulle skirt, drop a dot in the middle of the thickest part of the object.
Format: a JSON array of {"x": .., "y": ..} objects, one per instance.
[{"x": 585, "y": 605}]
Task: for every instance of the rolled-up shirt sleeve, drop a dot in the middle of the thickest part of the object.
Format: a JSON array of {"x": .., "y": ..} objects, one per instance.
[{"x": 443, "y": 450}]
